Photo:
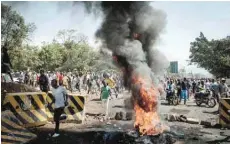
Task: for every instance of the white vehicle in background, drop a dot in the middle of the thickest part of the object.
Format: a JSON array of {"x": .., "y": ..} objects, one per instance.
[{"x": 17, "y": 77}]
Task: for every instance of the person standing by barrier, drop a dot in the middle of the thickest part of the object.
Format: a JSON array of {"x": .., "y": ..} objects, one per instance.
[
  {"x": 215, "y": 87},
  {"x": 78, "y": 82},
  {"x": 43, "y": 82},
  {"x": 60, "y": 101},
  {"x": 224, "y": 90}
]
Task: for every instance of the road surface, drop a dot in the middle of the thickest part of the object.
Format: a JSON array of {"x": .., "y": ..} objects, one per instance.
[{"x": 95, "y": 122}]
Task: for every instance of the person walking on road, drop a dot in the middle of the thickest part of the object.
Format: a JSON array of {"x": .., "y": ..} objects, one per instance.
[
  {"x": 65, "y": 81},
  {"x": 184, "y": 90},
  {"x": 194, "y": 87},
  {"x": 178, "y": 86},
  {"x": 105, "y": 93},
  {"x": 60, "y": 101}
]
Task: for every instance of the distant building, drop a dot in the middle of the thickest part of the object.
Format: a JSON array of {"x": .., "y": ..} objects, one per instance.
[{"x": 174, "y": 66}]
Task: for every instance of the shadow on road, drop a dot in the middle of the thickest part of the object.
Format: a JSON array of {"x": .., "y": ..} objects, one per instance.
[
  {"x": 196, "y": 106},
  {"x": 96, "y": 100},
  {"x": 166, "y": 104},
  {"x": 92, "y": 114},
  {"x": 118, "y": 106}
]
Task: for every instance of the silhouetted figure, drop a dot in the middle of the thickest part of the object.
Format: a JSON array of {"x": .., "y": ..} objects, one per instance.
[{"x": 6, "y": 64}]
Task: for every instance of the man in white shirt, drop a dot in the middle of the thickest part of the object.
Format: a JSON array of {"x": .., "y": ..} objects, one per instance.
[
  {"x": 60, "y": 101},
  {"x": 207, "y": 84}
]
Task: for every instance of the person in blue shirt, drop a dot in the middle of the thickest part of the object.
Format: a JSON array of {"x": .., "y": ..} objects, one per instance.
[{"x": 215, "y": 87}]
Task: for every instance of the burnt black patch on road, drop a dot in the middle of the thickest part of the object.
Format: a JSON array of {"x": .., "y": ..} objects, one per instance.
[{"x": 98, "y": 137}]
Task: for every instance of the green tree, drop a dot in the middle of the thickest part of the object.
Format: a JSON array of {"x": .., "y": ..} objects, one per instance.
[
  {"x": 81, "y": 57},
  {"x": 71, "y": 37},
  {"x": 51, "y": 56},
  {"x": 25, "y": 58},
  {"x": 14, "y": 30},
  {"x": 212, "y": 55},
  {"x": 78, "y": 54}
]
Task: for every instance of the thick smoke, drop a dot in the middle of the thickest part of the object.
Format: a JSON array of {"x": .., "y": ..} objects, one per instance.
[
  {"x": 150, "y": 23},
  {"x": 135, "y": 55},
  {"x": 121, "y": 21}
]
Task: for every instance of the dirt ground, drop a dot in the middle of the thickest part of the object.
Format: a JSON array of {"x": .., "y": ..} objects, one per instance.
[{"x": 95, "y": 124}]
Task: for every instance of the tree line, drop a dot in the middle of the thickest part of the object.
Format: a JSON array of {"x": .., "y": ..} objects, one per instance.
[
  {"x": 68, "y": 51},
  {"x": 213, "y": 55}
]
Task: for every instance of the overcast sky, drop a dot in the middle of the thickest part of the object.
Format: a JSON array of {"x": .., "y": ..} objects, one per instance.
[{"x": 185, "y": 20}]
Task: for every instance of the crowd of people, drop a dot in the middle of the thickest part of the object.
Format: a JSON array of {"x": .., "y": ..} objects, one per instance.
[
  {"x": 73, "y": 81},
  {"x": 102, "y": 84},
  {"x": 188, "y": 87},
  {"x": 105, "y": 84}
]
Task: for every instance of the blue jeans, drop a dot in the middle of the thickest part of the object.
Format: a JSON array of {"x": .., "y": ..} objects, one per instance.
[{"x": 184, "y": 94}]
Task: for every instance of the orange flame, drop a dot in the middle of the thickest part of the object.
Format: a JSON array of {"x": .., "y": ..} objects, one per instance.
[{"x": 147, "y": 120}]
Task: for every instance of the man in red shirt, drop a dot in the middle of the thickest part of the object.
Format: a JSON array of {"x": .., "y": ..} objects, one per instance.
[{"x": 60, "y": 78}]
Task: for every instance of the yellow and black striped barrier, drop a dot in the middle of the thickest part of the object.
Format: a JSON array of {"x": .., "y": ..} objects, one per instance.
[
  {"x": 12, "y": 132},
  {"x": 74, "y": 111},
  {"x": 28, "y": 107},
  {"x": 224, "y": 112}
]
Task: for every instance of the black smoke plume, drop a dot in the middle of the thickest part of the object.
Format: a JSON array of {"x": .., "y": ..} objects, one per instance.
[{"x": 130, "y": 30}]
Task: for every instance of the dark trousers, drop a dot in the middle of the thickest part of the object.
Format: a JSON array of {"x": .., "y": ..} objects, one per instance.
[
  {"x": 188, "y": 94},
  {"x": 57, "y": 114},
  {"x": 78, "y": 87},
  {"x": 193, "y": 90},
  {"x": 89, "y": 89},
  {"x": 169, "y": 94},
  {"x": 217, "y": 97},
  {"x": 179, "y": 93},
  {"x": 44, "y": 88}
]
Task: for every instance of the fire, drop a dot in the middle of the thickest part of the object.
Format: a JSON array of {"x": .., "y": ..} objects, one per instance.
[{"x": 147, "y": 120}]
